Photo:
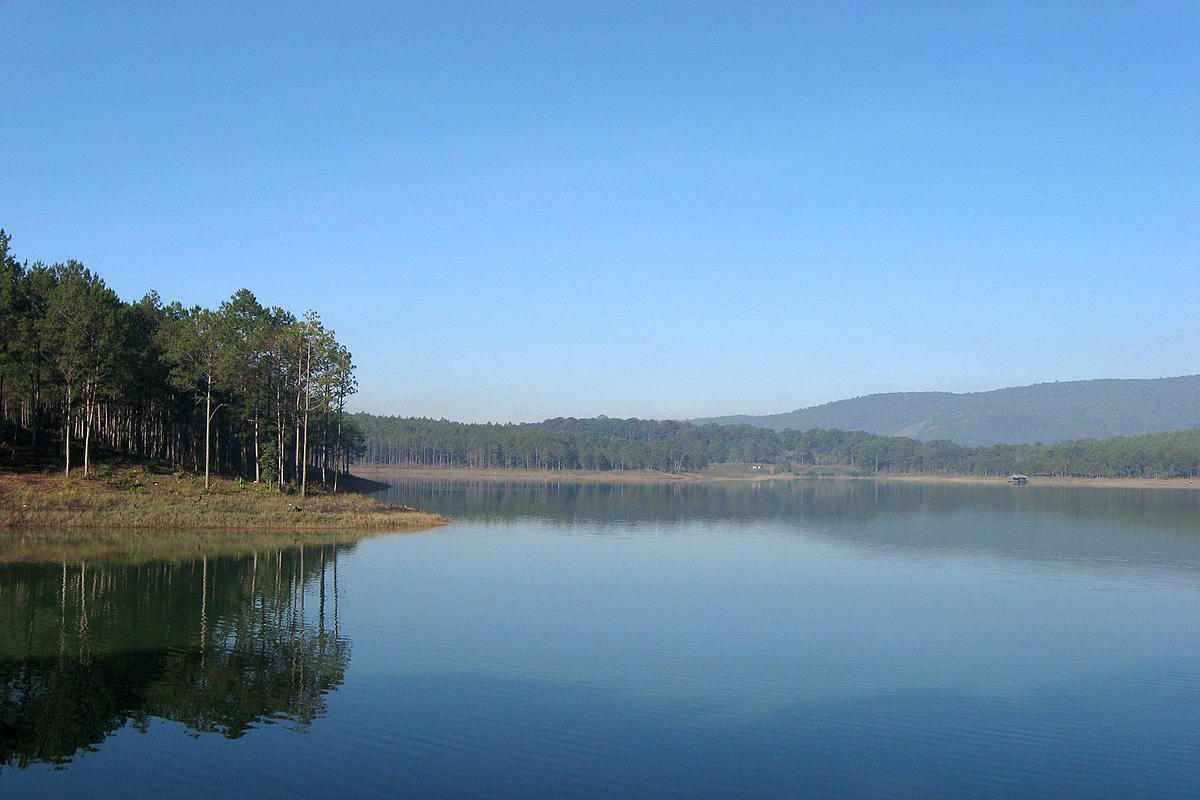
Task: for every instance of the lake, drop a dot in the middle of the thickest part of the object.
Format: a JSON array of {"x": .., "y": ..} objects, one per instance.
[{"x": 801, "y": 639}]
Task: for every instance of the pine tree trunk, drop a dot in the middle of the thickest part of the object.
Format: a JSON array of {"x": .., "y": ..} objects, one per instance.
[
  {"x": 325, "y": 449},
  {"x": 257, "y": 456},
  {"x": 87, "y": 430},
  {"x": 207, "y": 429},
  {"x": 337, "y": 452},
  {"x": 304, "y": 467},
  {"x": 67, "y": 432},
  {"x": 37, "y": 417}
]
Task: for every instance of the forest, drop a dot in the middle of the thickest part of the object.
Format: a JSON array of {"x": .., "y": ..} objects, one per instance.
[
  {"x": 243, "y": 390},
  {"x": 604, "y": 444}
]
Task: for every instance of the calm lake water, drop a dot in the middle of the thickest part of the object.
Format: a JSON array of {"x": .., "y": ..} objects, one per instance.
[{"x": 809, "y": 639}]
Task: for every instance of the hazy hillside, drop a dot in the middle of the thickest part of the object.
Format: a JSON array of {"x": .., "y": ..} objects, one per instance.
[{"x": 1045, "y": 412}]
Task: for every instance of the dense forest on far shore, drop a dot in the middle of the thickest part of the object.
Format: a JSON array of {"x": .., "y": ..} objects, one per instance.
[
  {"x": 604, "y": 444},
  {"x": 243, "y": 390}
]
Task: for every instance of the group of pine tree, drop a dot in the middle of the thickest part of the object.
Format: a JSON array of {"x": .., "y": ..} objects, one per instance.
[{"x": 242, "y": 390}]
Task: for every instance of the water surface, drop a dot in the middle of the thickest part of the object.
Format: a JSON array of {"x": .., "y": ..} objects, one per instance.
[{"x": 810, "y": 639}]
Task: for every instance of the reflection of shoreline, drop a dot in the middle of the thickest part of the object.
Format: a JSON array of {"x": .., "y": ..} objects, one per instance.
[
  {"x": 1032, "y": 523},
  {"x": 136, "y": 546},
  {"x": 392, "y": 474}
]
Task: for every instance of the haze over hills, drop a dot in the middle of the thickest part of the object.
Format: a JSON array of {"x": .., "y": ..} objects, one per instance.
[{"x": 1044, "y": 412}]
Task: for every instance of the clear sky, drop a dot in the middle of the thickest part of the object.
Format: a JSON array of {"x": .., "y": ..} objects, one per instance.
[{"x": 512, "y": 211}]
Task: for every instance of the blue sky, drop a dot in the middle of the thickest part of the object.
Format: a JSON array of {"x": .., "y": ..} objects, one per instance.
[{"x": 513, "y": 211}]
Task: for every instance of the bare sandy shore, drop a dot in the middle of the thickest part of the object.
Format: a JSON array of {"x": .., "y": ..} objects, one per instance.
[
  {"x": 1104, "y": 483},
  {"x": 391, "y": 474}
]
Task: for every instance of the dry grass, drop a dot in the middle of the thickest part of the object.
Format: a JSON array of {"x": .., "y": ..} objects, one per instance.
[{"x": 133, "y": 498}]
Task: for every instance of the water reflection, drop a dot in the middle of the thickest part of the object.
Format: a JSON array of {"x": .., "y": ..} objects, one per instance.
[
  {"x": 1041, "y": 524},
  {"x": 220, "y": 644}
]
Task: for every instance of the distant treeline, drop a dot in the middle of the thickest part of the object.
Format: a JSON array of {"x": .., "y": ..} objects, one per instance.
[
  {"x": 604, "y": 444},
  {"x": 244, "y": 390}
]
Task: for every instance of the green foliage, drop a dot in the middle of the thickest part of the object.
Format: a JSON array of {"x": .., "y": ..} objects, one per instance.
[{"x": 268, "y": 460}]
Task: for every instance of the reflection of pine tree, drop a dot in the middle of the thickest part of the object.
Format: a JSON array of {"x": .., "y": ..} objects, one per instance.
[{"x": 218, "y": 644}]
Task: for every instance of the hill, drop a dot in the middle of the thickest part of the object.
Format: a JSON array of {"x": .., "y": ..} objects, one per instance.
[{"x": 1044, "y": 412}]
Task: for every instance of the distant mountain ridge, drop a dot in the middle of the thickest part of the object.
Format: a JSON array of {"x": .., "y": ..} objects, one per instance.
[{"x": 1043, "y": 412}]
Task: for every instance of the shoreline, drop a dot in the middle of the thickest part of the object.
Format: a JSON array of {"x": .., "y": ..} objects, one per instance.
[
  {"x": 1096, "y": 483},
  {"x": 382, "y": 474}
]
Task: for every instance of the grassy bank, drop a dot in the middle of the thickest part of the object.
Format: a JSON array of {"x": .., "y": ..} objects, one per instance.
[{"x": 135, "y": 498}]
